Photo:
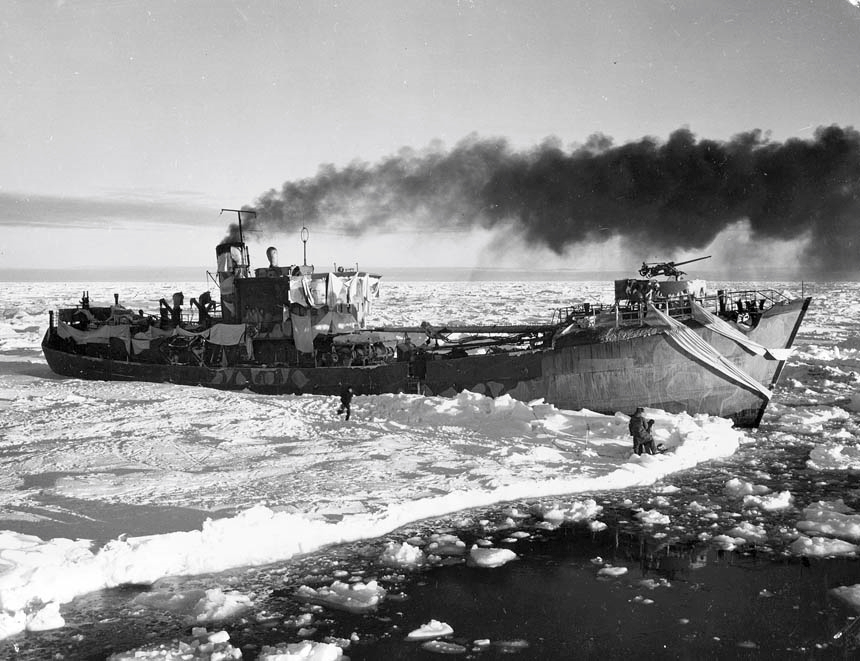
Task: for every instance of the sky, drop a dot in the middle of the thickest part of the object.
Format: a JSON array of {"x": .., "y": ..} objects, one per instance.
[{"x": 126, "y": 126}]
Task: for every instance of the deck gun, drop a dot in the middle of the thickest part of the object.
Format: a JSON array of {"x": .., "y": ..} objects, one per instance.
[{"x": 653, "y": 269}]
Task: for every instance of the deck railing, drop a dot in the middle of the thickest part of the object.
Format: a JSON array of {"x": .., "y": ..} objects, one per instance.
[{"x": 744, "y": 305}]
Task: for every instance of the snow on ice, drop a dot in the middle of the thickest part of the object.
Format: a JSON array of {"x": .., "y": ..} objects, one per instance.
[
  {"x": 611, "y": 571},
  {"x": 849, "y": 594},
  {"x": 191, "y": 481},
  {"x": 484, "y": 464},
  {"x": 215, "y": 646},
  {"x": 198, "y": 605},
  {"x": 356, "y": 597},
  {"x": 833, "y": 519},
  {"x": 403, "y": 555},
  {"x": 433, "y": 629},
  {"x": 204, "y": 645},
  {"x": 490, "y": 557}
]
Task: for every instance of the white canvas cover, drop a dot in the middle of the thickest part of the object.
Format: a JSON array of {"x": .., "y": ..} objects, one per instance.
[
  {"x": 100, "y": 335},
  {"x": 725, "y": 329},
  {"x": 687, "y": 340}
]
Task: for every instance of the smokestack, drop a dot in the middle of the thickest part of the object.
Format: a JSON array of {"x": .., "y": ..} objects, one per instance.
[{"x": 659, "y": 197}]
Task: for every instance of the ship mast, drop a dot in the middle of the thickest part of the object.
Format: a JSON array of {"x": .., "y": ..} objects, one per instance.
[{"x": 239, "y": 213}]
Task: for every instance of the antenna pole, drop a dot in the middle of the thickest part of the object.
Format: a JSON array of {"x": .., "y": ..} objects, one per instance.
[{"x": 239, "y": 213}]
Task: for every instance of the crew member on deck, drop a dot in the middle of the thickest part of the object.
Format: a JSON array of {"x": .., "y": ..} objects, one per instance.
[
  {"x": 404, "y": 350},
  {"x": 272, "y": 255},
  {"x": 204, "y": 305},
  {"x": 174, "y": 312}
]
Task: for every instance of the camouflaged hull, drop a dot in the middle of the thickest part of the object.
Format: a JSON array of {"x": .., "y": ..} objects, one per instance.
[{"x": 604, "y": 370}]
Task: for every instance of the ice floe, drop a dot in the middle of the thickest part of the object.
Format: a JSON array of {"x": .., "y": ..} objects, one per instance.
[{"x": 433, "y": 629}]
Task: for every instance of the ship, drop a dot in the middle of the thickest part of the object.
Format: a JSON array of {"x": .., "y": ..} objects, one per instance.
[{"x": 665, "y": 342}]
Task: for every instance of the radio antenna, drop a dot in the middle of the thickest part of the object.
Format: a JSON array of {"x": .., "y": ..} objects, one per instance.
[{"x": 239, "y": 213}]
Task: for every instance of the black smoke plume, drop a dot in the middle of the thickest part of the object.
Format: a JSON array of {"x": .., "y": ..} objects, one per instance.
[{"x": 659, "y": 197}]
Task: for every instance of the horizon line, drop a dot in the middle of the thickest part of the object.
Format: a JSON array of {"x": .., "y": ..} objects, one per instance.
[{"x": 187, "y": 273}]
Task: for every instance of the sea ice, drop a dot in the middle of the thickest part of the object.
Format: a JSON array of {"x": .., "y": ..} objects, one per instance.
[
  {"x": 110, "y": 444},
  {"x": 197, "y": 605},
  {"x": 609, "y": 570},
  {"x": 433, "y": 629},
  {"x": 849, "y": 593},
  {"x": 443, "y": 647},
  {"x": 403, "y": 555},
  {"x": 203, "y": 647},
  {"x": 834, "y": 456},
  {"x": 653, "y": 517},
  {"x": 727, "y": 543},
  {"x": 217, "y": 605},
  {"x": 822, "y": 547},
  {"x": 653, "y": 583},
  {"x": 490, "y": 557},
  {"x": 45, "y": 618},
  {"x": 445, "y": 544},
  {"x": 356, "y": 597},
  {"x": 750, "y": 532},
  {"x": 737, "y": 488},
  {"x": 578, "y": 510},
  {"x": 830, "y": 518},
  {"x": 770, "y": 502},
  {"x": 303, "y": 651}
]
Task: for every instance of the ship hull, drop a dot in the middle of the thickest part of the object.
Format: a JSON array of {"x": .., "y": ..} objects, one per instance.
[{"x": 603, "y": 376}]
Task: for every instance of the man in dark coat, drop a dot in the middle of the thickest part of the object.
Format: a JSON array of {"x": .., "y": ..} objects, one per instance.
[
  {"x": 640, "y": 429},
  {"x": 345, "y": 400}
]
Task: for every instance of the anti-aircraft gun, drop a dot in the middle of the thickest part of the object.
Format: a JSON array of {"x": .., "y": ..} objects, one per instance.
[{"x": 653, "y": 269}]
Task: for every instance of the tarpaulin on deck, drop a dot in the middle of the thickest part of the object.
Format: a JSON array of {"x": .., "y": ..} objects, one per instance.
[
  {"x": 342, "y": 321},
  {"x": 337, "y": 291},
  {"x": 303, "y": 332},
  {"x": 141, "y": 341},
  {"x": 226, "y": 334},
  {"x": 100, "y": 335},
  {"x": 725, "y": 329},
  {"x": 316, "y": 289},
  {"x": 321, "y": 322},
  {"x": 298, "y": 292},
  {"x": 687, "y": 340},
  {"x": 369, "y": 337}
]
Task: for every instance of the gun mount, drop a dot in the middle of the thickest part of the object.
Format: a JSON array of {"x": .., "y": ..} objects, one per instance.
[{"x": 670, "y": 269}]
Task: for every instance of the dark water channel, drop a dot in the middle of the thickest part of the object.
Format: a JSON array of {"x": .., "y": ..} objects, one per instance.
[{"x": 697, "y": 602}]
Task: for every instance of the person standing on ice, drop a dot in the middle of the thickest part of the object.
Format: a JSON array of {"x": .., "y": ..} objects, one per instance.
[
  {"x": 345, "y": 400},
  {"x": 640, "y": 429}
]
